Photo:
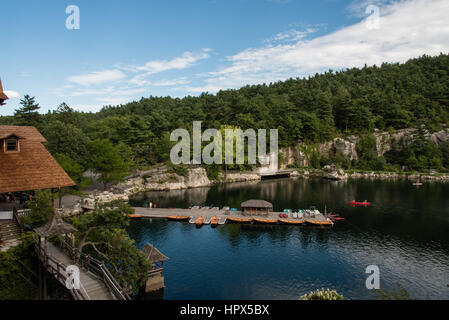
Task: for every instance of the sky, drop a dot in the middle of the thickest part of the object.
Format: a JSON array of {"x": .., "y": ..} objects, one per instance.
[{"x": 126, "y": 50}]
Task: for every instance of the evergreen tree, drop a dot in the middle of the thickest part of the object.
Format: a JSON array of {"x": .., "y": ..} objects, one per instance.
[{"x": 28, "y": 115}]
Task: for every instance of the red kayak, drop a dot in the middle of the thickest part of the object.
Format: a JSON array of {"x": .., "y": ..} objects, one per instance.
[{"x": 355, "y": 203}]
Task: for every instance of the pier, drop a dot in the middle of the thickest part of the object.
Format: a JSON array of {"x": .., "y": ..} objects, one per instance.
[{"x": 222, "y": 214}]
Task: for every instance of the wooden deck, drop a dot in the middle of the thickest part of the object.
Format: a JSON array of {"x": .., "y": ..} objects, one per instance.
[
  {"x": 208, "y": 213},
  {"x": 92, "y": 287}
]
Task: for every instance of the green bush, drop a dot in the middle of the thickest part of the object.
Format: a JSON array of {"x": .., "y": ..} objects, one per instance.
[{"x": 323, "y": 294}]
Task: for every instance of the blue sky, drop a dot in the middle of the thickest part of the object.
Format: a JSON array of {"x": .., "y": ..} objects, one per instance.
[{"x": 126, "y": 50}]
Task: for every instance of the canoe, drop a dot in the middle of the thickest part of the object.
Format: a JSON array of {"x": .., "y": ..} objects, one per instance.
[
  {"x": 260, "y": 220},
  {"x": 214, "y": 221},
  {"x": 287, "y": 221},
  {"x": 135, "y": 216},
  {"x": 178, "y": 218},
  {"x": 240, "y": 220},
  {"x": 320, "y": 222},
  {"x": 199, "y": 221},
  {"x": 355, "y": 203}
]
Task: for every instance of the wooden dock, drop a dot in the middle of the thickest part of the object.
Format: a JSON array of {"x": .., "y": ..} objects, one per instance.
[{"x": 207, "y": 213}]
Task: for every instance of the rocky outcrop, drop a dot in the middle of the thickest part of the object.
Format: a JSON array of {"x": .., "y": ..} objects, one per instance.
[
  {"x": 440, "y": 137},
  {"x": 196, "y": 177},
  {"x": 240, "y": 177},
  {"x": 300, "y": 154},
  {"x": 346, "y": 148},
  {"x": 332, "y": 173}
]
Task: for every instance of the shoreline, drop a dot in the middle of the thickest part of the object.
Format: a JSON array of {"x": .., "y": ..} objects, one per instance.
[{"x": 140, "y": 184}]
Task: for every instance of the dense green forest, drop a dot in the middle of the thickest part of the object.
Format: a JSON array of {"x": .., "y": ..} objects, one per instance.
[{"x": 315, "y": 109}]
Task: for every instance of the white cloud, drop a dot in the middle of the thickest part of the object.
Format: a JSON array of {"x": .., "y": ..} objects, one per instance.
[
  {"x": 12, "y": 94},
  {"x": 290, "y": 35},
  {"x": 188, "y": 59},
  {"x": 407, "y": 29},
  {"x": 97, "y": 77},
  {"x": 173, "y": 82}
]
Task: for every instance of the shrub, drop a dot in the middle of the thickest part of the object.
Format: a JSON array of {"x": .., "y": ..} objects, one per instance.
[{"x": 323, "y": 294}]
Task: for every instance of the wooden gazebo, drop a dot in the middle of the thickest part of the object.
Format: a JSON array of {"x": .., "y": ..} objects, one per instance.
[
  {"x": 256, "y": 207},
  {"x": 55, "y": 227},
  {"x": 155, "y": 280}
]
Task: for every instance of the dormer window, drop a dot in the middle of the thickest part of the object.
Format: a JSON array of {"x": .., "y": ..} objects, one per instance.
[{"x": 12, "y": 145}]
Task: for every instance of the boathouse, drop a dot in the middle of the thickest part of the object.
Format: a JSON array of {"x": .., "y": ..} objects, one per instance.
[
  {"x": 155, "y": 280},
  {"x": 256, "y": 207}
]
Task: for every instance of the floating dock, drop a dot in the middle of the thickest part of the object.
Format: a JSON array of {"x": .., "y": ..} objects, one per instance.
[{"x": 223, "y": 214}]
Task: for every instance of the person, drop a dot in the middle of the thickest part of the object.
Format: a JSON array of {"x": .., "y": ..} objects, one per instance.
[
  {"x": 154, "y": 206},
  {"x": 151, "y": 204}
]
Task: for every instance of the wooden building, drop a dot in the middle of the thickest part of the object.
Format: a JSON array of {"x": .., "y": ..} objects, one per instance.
[
  {"x": 155, "y": 280},
  {"x": 25, "y": 166},
  {"x": 25, "y": 163},
  {"x": 256, "y": 207}
]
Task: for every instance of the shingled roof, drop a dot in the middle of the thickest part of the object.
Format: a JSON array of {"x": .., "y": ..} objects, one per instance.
[
  {"x": 33, "y": 168},
  {"x": 257, "y": 204},
  {"x": 55, "y": 227},
  {"x": 153, "y": 254}
]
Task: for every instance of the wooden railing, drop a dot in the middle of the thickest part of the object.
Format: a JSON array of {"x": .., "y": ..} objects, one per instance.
[
  {"x": 99, "y": 269},
  {"x": 16, "y": 216},
  {"x": 58, "y": 271}
]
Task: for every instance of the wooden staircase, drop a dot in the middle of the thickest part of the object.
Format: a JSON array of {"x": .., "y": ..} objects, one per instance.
[{"x": 9, "y": 231}]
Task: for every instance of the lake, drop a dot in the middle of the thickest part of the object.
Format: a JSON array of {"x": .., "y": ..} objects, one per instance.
[{"x": 405, "y": 232}]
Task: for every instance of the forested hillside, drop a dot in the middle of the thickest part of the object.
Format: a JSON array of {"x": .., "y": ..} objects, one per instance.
[{"x": 311, "y": 110}]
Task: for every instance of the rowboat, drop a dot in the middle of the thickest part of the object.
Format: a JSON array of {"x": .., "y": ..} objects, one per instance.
[
  {"x": 287, "y": 221},
  {"x": 327, "y": 222},
  {"x": 199, "y": 221},
  {"x": 214, "y": 221},
  {"x": 135, "y": 216},
  {"x": 260, "y": 220},
  {"x": 240, "y": 220},
  {"x": 178, "y": 218}
]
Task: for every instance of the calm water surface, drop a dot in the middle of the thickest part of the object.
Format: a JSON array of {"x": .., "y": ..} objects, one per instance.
[{"x": 405, "y": 232}]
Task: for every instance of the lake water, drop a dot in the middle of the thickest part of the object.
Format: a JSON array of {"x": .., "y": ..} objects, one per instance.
[{"x": 405, "y": 233}]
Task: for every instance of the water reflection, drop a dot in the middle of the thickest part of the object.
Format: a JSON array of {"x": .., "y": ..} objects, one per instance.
[{"x": 404, "y": 232}]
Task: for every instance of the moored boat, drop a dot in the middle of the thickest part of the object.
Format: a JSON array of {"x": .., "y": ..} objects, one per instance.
[
  {"x": 135, "y": 216},
  {"x": 214, "y": 221},
  {"x": 268, "y": 221},
  {"x": 199, "y": 221},
  {"x": 326, "y": 222},
  {"x": 178, "y": 218},
  {"x": 288, "y": 221},
  {"x": 239, "y": 220}
]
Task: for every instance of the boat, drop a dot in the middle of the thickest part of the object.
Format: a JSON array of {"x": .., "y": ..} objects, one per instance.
[
  {"x": 135, "y": 216},
  {"x": 327, "y": 222},
  {"x": 199, "y": 221},
  {"x": 355, "y": 203},
  {"x": 288, "y": 221},
  {"x": 178, "y": 218},
  {"x": 214, "y": 221},
  {"x": 239, "y": 220},
  {"x": 268, "y": 221}
]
